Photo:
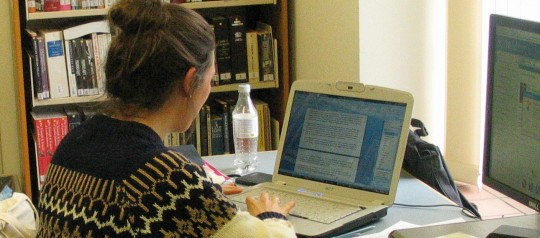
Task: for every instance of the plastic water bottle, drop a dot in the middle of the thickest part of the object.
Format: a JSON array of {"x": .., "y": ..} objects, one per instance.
[{"x": 245, "y": 131}]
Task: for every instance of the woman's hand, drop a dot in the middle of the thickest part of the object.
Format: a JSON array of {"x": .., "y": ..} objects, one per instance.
[
  {"x": 231, "y": 188},
  {"x": 264, "y": 203}
]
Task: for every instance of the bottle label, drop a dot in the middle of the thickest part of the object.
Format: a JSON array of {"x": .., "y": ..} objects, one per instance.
[{"x": 245, "y": 127}]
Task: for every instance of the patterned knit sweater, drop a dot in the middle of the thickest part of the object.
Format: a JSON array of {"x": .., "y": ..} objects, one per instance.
[{"x": 111, "y": 178}]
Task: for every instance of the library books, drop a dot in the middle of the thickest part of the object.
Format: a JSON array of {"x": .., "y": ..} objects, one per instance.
[
  {"x": 266, "y": 51},
  {"x": 86, "y": 48},
  {"x": 211, "y": 131},
  {"x": 252, "y": 54},
  {"x": 237, "y": 41},
  {"x": 38, "y": 64},
  {"x": 223, "y": 51},
  {"x": 56, "y": 62},
  {"x": 50, "y": 127}
]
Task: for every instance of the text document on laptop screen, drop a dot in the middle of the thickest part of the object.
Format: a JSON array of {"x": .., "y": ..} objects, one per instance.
[{"x": 327, "y": 133}]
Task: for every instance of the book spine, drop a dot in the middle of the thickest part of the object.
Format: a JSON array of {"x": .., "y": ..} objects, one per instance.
[
  {"x": 56, "y": 64},
  {"x": 223, "y": 51},
  {"x": 79, "y": 80},
  {"x": 43, "y": 68},
  {"x": 41, "y": 148},
  {"x": 73, "y": 116},
  {"x": 76, "y": 4},
  {"x": 51, "y": 5},
  {"x": 97, "y": 62},
  {"x": 31, "y": 6},
  {"x": 36, "y": 70},
  {"x": 49, "y": 141},
  {"x": 203, "y": 131},
  {"x": 217, "y": 134},
  {"x": 91, "y": 66},
  {"x": 237, "y": 39},
  {"x": 266, "y": 60},
  {"x": 65, "y": 5},
  {"x": 252, "y": 56},
  {"x": 70, "y": 63},
  {"x": 83, "y": 61}
]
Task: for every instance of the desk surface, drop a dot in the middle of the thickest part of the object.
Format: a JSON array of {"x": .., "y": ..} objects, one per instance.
[{"x": 410, "y": 191}]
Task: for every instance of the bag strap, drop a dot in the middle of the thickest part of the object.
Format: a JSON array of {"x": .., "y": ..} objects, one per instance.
[{"x": 421, "y": 131}]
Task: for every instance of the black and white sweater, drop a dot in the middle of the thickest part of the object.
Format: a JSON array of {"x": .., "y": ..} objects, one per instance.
[{"x": 112, "y": 178}]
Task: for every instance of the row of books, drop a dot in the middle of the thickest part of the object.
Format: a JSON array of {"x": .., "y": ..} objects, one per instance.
[
  {"x": 211, "y": 133},
  {"x": 243, "y": 55},
  {"x": 65, "y": 5},
  {"x": 49, "y": 128},
  {"x": 68, "y": 62}
]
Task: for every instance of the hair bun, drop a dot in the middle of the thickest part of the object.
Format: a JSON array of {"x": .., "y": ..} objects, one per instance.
[{"x": 137, "y": 16}]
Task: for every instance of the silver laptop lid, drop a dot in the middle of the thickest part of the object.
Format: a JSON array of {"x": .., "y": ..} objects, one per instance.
[{"x": 345, "y": 139}]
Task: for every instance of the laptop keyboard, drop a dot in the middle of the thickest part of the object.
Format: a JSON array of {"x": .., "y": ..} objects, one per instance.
[{"x": 319, "y": 210}]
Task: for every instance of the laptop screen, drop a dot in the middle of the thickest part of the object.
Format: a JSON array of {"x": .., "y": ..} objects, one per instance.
[{"x": 344, "y": 141}]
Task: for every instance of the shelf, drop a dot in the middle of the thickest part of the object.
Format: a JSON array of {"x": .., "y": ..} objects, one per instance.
[
  {"x": 100, "y": 98},
  {"x": 234, "y": 87},
  {"x": 68, "y": 100},
  {"x": 103, "y": 11}
]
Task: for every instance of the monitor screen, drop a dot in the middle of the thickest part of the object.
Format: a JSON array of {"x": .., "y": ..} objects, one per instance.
[
  {"x": 512, "y": 135},
  {"x": 346, "y": 141}
]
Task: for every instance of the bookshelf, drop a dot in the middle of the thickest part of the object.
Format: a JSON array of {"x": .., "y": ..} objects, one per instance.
[{"x": 273, "y": 12}]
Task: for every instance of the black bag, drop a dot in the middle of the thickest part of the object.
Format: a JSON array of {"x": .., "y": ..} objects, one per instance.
[{"x": 425, "y": 161}]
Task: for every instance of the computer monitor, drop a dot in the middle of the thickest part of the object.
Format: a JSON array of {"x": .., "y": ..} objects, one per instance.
[{"x": 512, "y": 131}]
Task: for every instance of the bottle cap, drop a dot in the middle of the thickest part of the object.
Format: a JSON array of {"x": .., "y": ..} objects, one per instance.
[{"x": 244, "y": 88}]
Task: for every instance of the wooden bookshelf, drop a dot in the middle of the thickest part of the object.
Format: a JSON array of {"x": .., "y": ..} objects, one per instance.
[{"x": 274, "y": 12}]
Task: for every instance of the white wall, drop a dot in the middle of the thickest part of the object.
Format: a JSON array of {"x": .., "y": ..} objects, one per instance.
[
  {"x": 403, "y": 46},
  {"x": 393, "y": 43},
  {"x": 324, "y": 40}
]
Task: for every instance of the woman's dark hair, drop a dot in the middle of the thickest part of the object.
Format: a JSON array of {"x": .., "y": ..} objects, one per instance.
[{"x": 154, "y": 47}]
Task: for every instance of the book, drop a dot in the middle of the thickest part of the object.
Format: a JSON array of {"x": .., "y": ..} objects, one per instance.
[
  {"x": 90, "y": 66},
  {"x": 43, "y": 68},
  {"x": 78, "y": 59},
  {"x": 237, "y": 41},
  {"x": 263, "y": 114},
  {"x": 204, "y": 115},
  {"x": 76, "y": 4},
  {"x": 51, "y": 5},
  {"x": 230, "y": 102},
  {"x": 223, "y": 50},
  {"x": 276, "y": 133},
  {"x": 216, "y": 125},
  {"x": 65, "y": 5},
  {"x": 50, "y": 126},
  {"x": 266, "y": 51},
  {"x": 33, "y": 56},
  {"x": 89, "y": 30},
  {"x": 82, "y": 56},
  {"x": 31, "y": 6},
  {"x": 56, "y": 62},
  {"x": 71, "y": 66},
  {"x": 223, "y": 109},
  {"x": 252, "y": 54},
  {"x": 74, "y": 117},
  {"x": 35, "y": 47}
]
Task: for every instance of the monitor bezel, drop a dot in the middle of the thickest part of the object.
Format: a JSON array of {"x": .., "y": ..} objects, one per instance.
[{"x": 521, "y": 24}]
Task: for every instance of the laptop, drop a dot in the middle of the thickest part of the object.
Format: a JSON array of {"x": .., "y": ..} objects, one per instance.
[{"x": 343, "y": 146}]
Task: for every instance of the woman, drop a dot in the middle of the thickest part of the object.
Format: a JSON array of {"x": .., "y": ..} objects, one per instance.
[{"x": 112, "y": 176}]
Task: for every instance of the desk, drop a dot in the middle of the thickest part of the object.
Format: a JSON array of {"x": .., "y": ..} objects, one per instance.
[{"x": 410, "y": 191}]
